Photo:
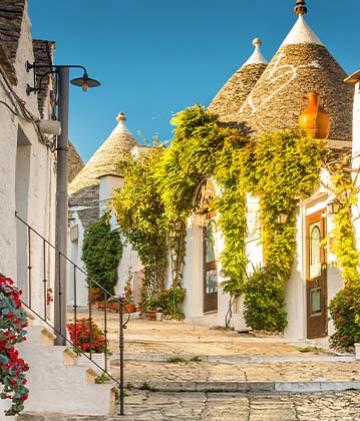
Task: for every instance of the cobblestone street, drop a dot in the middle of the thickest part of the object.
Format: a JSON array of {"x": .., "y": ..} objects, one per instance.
[
  {"x": 172, "y": 367},
  {"x": 149, "y": 406}
]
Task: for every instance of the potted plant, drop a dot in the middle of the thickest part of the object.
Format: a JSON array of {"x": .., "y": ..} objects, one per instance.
[
  {"x": 90, "y": 340},
  {"x": 152, "y": 308},
  {"x": 129, "y": 299}
]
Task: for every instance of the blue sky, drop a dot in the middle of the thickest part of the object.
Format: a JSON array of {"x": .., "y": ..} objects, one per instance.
[{"x": 155, "y": 57}]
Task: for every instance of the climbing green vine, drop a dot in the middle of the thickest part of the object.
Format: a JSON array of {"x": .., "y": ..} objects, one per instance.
[
  {"x": 141, "y": 216},
  {"x": 201, "y": 148},
  {"x": 279, "y": 169},
  {"x": 345, "y": 306},
  {"x": 283, "y": 168}
]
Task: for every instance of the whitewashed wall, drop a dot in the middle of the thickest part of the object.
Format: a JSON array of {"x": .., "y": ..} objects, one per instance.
[
  {"x": 27, "y": 179},
  {"x": 356, "y": 156}
]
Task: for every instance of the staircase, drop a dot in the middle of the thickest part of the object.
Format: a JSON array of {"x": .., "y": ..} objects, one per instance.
[{"x": 57, "y": 383}]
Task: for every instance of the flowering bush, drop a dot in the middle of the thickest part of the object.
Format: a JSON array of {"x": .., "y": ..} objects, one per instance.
[
  {"x": 87, "y": 336},
  {"x": 345, "y": 312},
  {"x": 13, "y": 320}
]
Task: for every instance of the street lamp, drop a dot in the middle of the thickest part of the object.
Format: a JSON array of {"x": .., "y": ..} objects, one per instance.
[{"x": 62, "y": 73}]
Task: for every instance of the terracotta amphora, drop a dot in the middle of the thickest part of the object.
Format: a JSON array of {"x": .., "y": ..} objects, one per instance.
[{"x": 315, "y": 120}]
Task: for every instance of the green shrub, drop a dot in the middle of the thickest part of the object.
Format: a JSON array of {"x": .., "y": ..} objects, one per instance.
[
  {"x": 265, "y": 302},
  {"x": 345, "y": 312},
  {"x": 102, "y": 251},
  {"x": 171, "y": 301}
]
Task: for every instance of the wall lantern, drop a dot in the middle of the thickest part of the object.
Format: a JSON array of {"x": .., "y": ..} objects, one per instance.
[
  {"x": 334, "y": 207},
  {"x": 85, "y": 82},
  {"x": 282, "y": 218}
]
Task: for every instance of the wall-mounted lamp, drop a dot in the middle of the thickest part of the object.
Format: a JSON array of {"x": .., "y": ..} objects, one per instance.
[
  {"x": 282, "y": 218},
  {"x": 85, "y": 82},
  {"x": 334, "y": 207}
]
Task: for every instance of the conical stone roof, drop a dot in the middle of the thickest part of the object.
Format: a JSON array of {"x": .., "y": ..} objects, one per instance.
[
  {"x": 84, "y": 189},
  {"x": 301, "y": 65},
  {"x": 233, "y": 94},
  {"x": 106, "y": 158}
]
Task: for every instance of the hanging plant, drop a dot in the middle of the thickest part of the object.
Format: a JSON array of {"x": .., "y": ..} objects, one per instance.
[{"x": 12, "y": 368}]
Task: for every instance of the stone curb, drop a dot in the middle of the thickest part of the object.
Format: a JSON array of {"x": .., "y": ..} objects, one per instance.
[
  {"x": 248, "y": 387},
  {"x": 229, "y": 359}
]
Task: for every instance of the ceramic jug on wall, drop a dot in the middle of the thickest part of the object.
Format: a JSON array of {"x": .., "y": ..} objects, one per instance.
[{"x": 314, "y": 119}]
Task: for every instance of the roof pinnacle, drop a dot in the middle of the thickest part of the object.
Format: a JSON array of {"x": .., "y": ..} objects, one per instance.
[
  {"x": 121, "y": 117},
  {"x": 257, "y": 42},
  {"x": 256, "y": 57},
  {"x": 300, "y": 8}
]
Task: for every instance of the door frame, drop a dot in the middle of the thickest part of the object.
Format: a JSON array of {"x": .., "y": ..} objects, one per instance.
[
  {"x": 316, "y": 324},
  {"x": 210, "y": 301}
]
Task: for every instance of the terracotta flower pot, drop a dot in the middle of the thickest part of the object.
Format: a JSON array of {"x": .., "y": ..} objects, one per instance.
[
  {"x": 151, "y": 314},
  {"x": 130, "y": 308}
]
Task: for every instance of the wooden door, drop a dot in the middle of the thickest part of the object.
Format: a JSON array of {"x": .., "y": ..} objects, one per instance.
[
  {"x": 210, "y": 266},
  {"x": 316, "y": 283}
]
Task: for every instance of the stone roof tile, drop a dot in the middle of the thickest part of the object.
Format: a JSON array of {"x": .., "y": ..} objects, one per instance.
[
  {"x": 276, "y": 100},
  {"x": 11, "y": 15},
  {"x": 233, "y": 94},
  {"x": 106, "y": 158},
  {"x": 43, "y": 53}
]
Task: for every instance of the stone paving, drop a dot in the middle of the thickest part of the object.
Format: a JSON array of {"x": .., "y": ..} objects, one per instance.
[
  {"x": 147, "y": 406},
  {"x": 138, "y": 373},
  {"x": 172, "y": 338}
]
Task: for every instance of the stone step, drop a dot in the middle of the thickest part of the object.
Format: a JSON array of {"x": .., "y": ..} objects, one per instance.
[
  {"x": 245, "y": 387},
  {"x": 57, "y": 384},
  {"x": 40, "y": 335}
]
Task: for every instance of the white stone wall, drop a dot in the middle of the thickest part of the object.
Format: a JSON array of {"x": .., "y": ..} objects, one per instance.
[
  {"x": 27, "y": 180},
  {"x": 356, "y": 156}
]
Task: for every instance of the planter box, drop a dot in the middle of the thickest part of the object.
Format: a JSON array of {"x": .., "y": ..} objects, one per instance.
[
  {"x": 357, "y": 351},
  {"x": 99, "y": 359},
  {"x": 239, "y": 323}
]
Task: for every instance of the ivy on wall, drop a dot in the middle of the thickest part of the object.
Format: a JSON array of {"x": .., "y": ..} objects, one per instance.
[
  {"x": 280, "y": 169},
  {"x": 141, "y": 216},
  {"x": 202, "y": 148},
  {"x": 346, "y": 191},
  {"x": 345, "y": 306},
  {"x": 283, "y": 167}
]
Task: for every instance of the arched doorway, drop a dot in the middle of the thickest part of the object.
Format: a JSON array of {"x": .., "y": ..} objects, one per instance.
[{"x": 204, "y": 208}]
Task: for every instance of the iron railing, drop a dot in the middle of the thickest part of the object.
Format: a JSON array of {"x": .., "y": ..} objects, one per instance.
[{"x": 41, "y": 311}]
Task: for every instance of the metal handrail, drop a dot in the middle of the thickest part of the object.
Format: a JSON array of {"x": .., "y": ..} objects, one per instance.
[{"x": 92, "y": 283}]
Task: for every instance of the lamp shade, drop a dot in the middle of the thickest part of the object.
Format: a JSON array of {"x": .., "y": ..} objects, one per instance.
[{"x": 85, "y": 82}]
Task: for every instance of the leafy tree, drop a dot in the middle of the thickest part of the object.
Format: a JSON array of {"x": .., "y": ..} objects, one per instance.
[
  {"x": 102, "y": 251},
  {"x": 140, "y": 214}
]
